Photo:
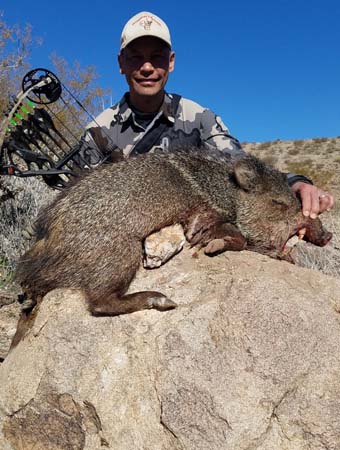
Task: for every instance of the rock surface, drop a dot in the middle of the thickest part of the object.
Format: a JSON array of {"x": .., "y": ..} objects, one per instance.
[
  {"x": 161, "y": 246},
  {"x": 9, "y": 315},
  {"x": 248, "y": 361}
]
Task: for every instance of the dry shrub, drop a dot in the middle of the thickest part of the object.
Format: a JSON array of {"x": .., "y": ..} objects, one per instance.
[
  {"x": 319, "y": 166},
  {"x": 308, "y": 162},
  {"x": 20, "y": 201},
  {"x": 293, "y": 151},
  {"x": 332, "y": 149},
  {"x": 299, "y": 143},
  {"x": 320, "y": 140},
  {"x": 264, "y": 146},
  {"x": 270, "y": 159},
  {"x": 325, "y": 259}
]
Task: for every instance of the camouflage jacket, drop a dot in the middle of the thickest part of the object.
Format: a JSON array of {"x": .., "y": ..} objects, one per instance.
[
  {"x": 115, "y": 134},
  {"x": 116, "y": 130}
]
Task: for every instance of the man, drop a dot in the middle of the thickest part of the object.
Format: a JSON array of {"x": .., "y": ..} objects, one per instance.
[{"x": 148, "y": 118}]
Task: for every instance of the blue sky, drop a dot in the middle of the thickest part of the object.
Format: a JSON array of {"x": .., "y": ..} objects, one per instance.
[{"x": 270, "y": 69}]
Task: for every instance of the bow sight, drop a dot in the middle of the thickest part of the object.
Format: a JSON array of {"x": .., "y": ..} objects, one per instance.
[{"x": 36, "y": 137}]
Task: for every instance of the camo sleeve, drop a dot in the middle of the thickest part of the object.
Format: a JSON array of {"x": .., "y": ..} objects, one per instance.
[
  {"x": 215, "y": 134},
  {"x": 97, "y": 142}
]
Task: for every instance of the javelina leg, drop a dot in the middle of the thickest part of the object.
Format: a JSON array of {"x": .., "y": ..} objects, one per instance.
[
  {"x": 204, "y": 227},
  {"x": 115, "y": 304},
  {"x": 106, "y": 293},
  {"x": 25, "y": 323},
  {"x": 222, "y": 237}
]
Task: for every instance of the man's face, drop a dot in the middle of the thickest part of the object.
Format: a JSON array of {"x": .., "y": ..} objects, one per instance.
[{"x": 146, "y": 63}]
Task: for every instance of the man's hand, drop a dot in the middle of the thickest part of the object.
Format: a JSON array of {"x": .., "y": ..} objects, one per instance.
[{"x": 314, "y": 200}]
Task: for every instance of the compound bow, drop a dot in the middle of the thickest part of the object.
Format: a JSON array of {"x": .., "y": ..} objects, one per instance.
[{"x": 30, "y": 142}]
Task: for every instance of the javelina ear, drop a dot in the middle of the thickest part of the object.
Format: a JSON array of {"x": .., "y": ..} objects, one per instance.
[{"x": 245, "y": 174}]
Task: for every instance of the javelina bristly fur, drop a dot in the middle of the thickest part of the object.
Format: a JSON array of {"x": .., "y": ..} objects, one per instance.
[{"x": 91, "y": 237}]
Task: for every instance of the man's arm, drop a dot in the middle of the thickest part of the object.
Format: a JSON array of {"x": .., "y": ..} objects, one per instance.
[
  {"x": 314, "y": 200},
  {"x": 215, "y": 134}
]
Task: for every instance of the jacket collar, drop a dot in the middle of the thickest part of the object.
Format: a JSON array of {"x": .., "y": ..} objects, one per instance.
[{"x": 166, "y": 109}]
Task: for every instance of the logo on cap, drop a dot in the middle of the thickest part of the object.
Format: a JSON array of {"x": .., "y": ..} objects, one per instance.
[{"x": 146, "y": 22}]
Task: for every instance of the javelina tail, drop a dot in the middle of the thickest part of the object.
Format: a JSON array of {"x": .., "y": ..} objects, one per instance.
[{"x": 30, "y": 267}]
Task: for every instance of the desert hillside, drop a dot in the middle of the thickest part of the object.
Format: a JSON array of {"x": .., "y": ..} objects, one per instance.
[{"x": 318, "y": 159}]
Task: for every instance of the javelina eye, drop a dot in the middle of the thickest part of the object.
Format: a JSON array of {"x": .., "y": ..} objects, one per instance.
[{"x": 280, "y": 203}]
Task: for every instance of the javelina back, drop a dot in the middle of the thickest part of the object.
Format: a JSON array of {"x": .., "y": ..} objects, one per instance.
[{"x": 91, "y": 237}]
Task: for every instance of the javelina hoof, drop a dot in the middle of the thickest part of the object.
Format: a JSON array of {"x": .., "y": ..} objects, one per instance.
[
  {"x": 159, "y": 301},
  {"x": 28, "y": 304},
  {"x": 115, "y": 305},
  {"x": 231, "y": 243},
  {"x": 215, "y": 246}
]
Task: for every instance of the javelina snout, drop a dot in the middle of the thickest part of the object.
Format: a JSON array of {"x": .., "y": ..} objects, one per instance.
[
  {"x": 269, "y": 212},
  {"x": 315, "y": 233}
]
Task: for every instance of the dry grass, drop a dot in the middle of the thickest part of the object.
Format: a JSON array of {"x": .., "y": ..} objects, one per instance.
[{"x": 325, "y": 259}]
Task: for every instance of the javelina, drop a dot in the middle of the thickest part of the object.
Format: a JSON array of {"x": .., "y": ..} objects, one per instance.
[{"x": 91, "y": 237}]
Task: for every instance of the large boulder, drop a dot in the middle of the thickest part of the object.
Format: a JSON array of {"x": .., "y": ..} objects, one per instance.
[{"x": 249, "y": 360}]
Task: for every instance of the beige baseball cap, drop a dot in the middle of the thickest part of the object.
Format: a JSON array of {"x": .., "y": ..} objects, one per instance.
[{"x": 144, "y": 24}]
